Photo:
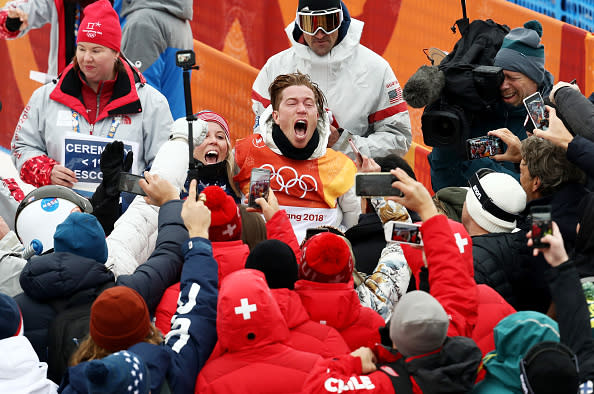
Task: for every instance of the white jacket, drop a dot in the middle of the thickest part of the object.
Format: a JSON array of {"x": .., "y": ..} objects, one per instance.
[
  {"x": 44, "y": 122},
  {"x": 11, "y": 264},
  {"x": 21, "y": 372},
  {"x": 357, "y": 83}
]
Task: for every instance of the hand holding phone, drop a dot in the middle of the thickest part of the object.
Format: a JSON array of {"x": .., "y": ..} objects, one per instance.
[
  {"x": 401, "y": 232},
  {"x": 376, "y": 184},
  {"x": 541, "y": 225},
  {"x": 358, "y": 155},
  {"x": 485, "y": 146},
  {"x": 129, "y": 183},
  {"x": 259, "y": 186},
  {"x": 536, "y": 111}
]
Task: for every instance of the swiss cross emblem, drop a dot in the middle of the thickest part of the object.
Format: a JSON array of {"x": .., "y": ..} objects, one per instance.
[{"x": 245, "y": 309}]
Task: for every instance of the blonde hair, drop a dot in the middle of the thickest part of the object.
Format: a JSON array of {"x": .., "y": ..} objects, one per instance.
[{"x": 89, "y": 350}]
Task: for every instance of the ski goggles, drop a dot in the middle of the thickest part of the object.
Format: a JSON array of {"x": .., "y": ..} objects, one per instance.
[{"x": 328, "y": 21}]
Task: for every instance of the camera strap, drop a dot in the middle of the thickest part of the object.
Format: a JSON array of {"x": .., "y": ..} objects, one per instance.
[{"x": 485, "y": 201}]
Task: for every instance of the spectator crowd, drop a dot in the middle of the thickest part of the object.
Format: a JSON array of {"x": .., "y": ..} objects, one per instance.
[{"x": 139, "y": 262}]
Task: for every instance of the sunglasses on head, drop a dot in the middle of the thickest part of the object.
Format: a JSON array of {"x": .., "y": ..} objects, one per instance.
[{"x": 328, "y": 21}]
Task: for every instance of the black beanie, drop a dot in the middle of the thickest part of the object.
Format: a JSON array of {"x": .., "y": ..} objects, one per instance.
[
  {"x": 318, "y": 5},
  {"x": 277, "y": 261},
  {"x": 550, "y": 368}
]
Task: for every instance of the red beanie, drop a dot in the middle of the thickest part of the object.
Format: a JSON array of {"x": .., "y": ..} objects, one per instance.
[
  {"x": 225, "y": 219},
  {"x": 100, "y": 25},
  {"x": 326, "y": 258},
  {"x": 119, "y": 319}
]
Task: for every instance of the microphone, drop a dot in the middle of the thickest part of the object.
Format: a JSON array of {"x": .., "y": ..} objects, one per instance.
[{"x": 424, "y": 86}]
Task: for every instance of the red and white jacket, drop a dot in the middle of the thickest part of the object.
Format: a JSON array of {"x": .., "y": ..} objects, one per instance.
[{"x": 252, "y": 354}]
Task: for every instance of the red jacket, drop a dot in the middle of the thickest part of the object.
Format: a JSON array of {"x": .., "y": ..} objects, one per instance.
[
  {"x": 474, "y": 310},
  {"x": 230, "y": 256},
  {"x": 305, "y": 334},
  {"x": 337, "y": 305},
  {"x": 252, "y": 351}
]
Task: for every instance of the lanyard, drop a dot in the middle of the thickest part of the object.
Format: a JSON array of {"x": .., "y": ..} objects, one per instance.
[{"x": 115, "y": 123}]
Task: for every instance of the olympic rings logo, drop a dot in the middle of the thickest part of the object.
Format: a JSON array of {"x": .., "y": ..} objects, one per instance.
[{"x": 294, "y": 181}]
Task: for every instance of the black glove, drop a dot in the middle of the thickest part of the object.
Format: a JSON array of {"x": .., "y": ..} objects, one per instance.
[{"x": 106, "y": 199}]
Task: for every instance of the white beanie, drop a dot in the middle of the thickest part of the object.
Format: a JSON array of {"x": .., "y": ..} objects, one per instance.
[{"x": 507, "y": 199}]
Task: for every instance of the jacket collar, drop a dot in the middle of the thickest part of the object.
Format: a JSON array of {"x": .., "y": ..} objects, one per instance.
[{"x": 124, "y": 99}]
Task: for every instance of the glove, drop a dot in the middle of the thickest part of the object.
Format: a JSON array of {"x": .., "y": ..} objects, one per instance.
[
  {"x": 179, "y": 130},
  {"x": 106, "y": 199}
]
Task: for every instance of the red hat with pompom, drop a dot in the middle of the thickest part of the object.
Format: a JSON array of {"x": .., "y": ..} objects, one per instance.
[
  {"x": 225, "y": 219},
  {"x": 326, "y": 258}
]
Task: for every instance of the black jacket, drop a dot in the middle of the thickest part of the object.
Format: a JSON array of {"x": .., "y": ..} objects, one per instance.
[
  {"x": 573, "y": 316},
  {"x": 504, "y": 262}
]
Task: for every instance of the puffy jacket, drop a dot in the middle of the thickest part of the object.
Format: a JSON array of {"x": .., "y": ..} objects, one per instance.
[
  {"x": 514, "y": 336},
  {"x": 153, "y": 32},
  {"x": 362, "y": 91},
  {"x": 137, "y": 111},
  {"x": 179, "y": 359},
  {"x": 164, "y": 266},
  {"x": 22, "y": 372},
  {"x": 451, "y": 369},
  {"x": 305, "y": 334},
  {"x": 337, "y": 305},
  {"x": 252, "y": 354},
  {"x": 497, "y": 262},
  {"x": 230, "y": 257}
]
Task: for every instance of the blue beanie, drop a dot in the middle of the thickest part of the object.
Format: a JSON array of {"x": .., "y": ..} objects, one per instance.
[
  {"x": 121, "y": 372},
  {"x": 82, "y": 235},
  {"x": 11, "y": 321},
  {"x": 523, "y": 52}
]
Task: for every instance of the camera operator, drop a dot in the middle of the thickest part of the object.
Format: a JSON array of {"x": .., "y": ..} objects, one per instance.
[{"x": 522, "y": 58}]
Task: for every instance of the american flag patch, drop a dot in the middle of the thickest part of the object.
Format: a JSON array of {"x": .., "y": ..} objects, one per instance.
[{"x": 395, "y": 95}]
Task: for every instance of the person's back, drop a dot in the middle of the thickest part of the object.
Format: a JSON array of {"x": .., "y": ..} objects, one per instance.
[
  {"x": 326, "y": 290},
  {"x": 514, "y": 336},
  {"x": 378, "y": 121},
  {"x": 252, "y": 355},
  {"x": 153, "y": 32}
]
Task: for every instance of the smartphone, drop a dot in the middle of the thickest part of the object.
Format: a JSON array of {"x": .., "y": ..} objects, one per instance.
[
  {"x": 129, "y": 183},
  {"x": 407, "y": 233},
  {"x": 536, "y": 111},
  {"x": 541, "y": 225},
  {"x": 356, "y": 151},
  {"x": 484, "y": 146},
  {"x": 376, "y": 184},
  {"x": 259, "y": 186}
]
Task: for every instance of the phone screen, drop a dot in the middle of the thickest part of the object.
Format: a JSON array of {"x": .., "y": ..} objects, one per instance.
[
  {"x": 536, "y": 111},
  {"x": 376, "y": 184},
  {"x": 541, "y": 225},
  {"x": 406, "y": 233},
  {"x": 129, "y": 183},
  {"x": 259, "y": 186},
  {"x": 485, "y": 146}
]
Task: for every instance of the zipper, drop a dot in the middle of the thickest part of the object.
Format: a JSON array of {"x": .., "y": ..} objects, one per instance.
[{"x": 98, "y": 106}]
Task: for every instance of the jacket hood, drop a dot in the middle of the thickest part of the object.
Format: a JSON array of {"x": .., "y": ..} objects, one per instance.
[
  {"x": 179, "y": 8},
  {"x": 61, "y": 274},
  {"x": 291, "y": 307},
  {"x": 514, "y": 336},
  {"x": 452, "y": 370},
  {"x": 341, "y": 306},
  {"x": 297, "y": 34},
  {"x": 265, "y": 130},
  {"x": 248, "y": 316},
  {"x": 22, "y": 372}
]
